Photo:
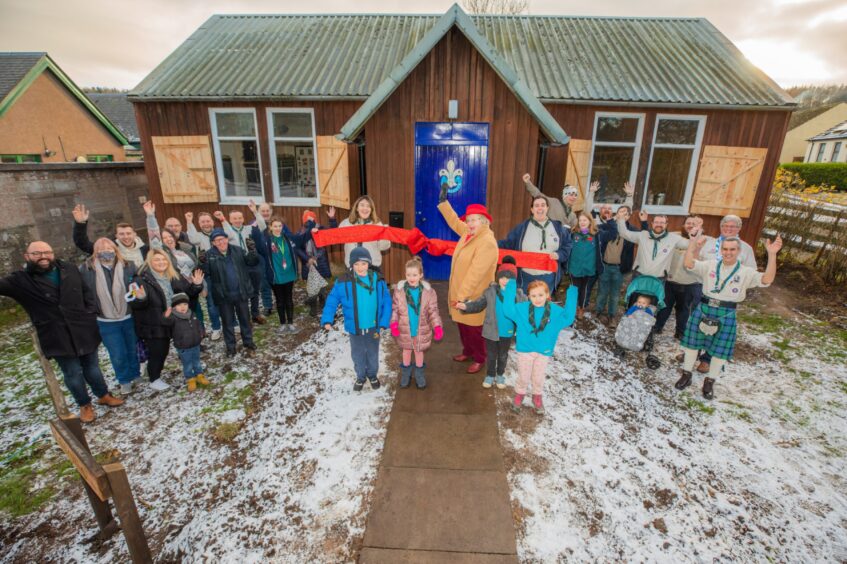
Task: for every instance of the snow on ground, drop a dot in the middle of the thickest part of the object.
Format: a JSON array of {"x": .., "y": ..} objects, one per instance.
[
  {"x": 624, "y": 467},
  {"x": 274, "y": 462}
]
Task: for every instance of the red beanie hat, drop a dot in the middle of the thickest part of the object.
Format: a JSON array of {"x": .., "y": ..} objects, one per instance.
[{"x": 507, "y": 270}]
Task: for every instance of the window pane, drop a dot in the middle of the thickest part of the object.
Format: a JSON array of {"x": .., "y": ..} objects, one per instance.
[
  {"x": 242, "y": 176},
  {"x": 621, "y": 130},
  {"x": 296, "y": 170},
  {"x": 668, "y": 177},
  {"x": 611, "y": 167},
  {"x": 821, "y": 149},
  {"x": 292, "y": 125},
  {"x": 677, "y": 131},
  {"x": 835, "y": 151},
  {"x": 235, "y": 124}
]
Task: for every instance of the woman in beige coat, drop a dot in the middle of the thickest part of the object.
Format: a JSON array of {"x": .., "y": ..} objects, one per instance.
[{"x": 472, "y": 270}]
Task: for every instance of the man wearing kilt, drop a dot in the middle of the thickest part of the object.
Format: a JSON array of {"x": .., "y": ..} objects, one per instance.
[{"x": 712, "y": 325}]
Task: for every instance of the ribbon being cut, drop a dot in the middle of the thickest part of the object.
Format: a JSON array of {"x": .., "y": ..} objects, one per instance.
[{"x": 416, "y": 241}]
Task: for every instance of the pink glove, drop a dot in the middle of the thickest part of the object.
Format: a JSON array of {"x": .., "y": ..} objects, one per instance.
[
  {"x": 395, "y": 329},
  {"x": 438, "y": 332}
]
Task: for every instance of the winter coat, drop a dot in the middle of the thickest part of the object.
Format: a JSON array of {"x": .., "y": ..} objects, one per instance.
[
  {"x": 600, "y": 240},
  {"x": 89, "y": 278},
  {"x": 215, "y": 268},
  {"x": 514, "y": 241},
  {"x": 186, "y": 329},
  {"x": 473, "y": 266},
  {"x": 65, "y": 318},
  {"x": 488, "y": 302},
  {"x": 344, "y": 292},
  {"x": 628, "y": 252},
  {"x": 428, "y": 319},
  {"x": 149, "y": 313},
  {"x": 86, "y": 245},
  {"x": 375, "y": 248},
  {"x": 320, "y": 256}
]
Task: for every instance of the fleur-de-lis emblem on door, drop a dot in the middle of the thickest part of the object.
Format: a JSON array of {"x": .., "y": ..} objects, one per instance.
[{"x": 452, "y": 176}]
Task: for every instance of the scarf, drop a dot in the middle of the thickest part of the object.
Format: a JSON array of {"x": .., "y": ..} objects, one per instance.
[
  {"x": 278, "y": 246},
  {"x": 718, "y": 242},
  {"x": 132, "y": 254},
  {"x": 165, "y": 284},
  {"x": 656, "y": 240},
  {"x": 543, "y": 229},
  {"x": 718, "y": 289},
  {"x": 112, "y": 300},
  {"x": 416, "y": 307},
  {"x": 369, "y": 288},
  {"x": 238, "y": 231},
  {"x": 545, "y": 318}
]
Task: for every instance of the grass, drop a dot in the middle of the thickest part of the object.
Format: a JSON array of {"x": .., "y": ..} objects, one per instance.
[
  {"x": 693, "y": 404},
  {"x": 226, "y": 432},
  {"x": 18, "y": 492},
  {"x": 767, "y": 323}
]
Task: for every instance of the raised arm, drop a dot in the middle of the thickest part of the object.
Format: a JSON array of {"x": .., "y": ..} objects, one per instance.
[
  {"x": 530, "y": 187},
  {"x": 508, "y": 304},
  {"x": 770, "y": 270},
  {"x": 629, "y": 190},
  {"x": 693, "y": 251},
  {"x": 260, "y": 221},
  {"x": 453, "y": 221},
  {"x": 626, "y": 234},
  {"x": 588, "y": 203},
  {"x": 154, "y": 234},
  {"x": 80, "y": 232}
]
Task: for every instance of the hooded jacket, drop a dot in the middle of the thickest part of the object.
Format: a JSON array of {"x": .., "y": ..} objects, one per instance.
[
  {"x": 428, "y": 319},
  {"x": 344, "y": 293}
]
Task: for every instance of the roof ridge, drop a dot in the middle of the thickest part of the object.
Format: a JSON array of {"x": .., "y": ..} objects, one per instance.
[{"x": 436, "y": 15}]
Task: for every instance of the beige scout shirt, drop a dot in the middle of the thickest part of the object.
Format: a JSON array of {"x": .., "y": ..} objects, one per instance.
[{"x": 735, "y": 289}]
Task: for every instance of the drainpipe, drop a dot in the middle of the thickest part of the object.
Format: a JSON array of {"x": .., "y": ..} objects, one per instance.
[
  {"x": 542, "y": 161},
  {"x": 363, "y": 180}
]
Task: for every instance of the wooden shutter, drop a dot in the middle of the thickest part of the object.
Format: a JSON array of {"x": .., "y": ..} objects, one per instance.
[
  {"x": 576, "y": 174},
  {"x": 186, "y": 172},
  {"x": 728, "y": 180},
  {"x": 333, "y": 172}
]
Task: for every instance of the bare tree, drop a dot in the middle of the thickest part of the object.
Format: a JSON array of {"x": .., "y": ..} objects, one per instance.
[{"x": 506, "y": 7}]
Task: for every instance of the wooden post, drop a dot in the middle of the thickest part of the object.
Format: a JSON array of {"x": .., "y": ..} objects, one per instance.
[
  {"x": 56, "y": 394},
  {"x": 828, "y": 239},
  {"x": 128, "y": 513}
]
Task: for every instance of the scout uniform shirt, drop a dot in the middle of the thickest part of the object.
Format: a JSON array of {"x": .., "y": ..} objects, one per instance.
[
  {"x": 654, "y": 255},
  {"x": 532, "y": 242},
  {"x": 733, "y": 283}
]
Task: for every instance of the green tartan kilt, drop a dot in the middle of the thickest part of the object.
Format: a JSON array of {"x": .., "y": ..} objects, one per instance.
[{"x": 721, "y": 344}]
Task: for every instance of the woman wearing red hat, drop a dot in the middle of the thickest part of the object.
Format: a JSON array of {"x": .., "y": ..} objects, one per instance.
[{"x": 471, "y": 271}]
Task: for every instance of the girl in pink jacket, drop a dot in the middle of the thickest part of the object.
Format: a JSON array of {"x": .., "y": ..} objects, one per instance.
[{"x": 415, "y": 321}]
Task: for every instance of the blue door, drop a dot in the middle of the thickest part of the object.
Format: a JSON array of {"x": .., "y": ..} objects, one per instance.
[{"x": 456, "y": 153}]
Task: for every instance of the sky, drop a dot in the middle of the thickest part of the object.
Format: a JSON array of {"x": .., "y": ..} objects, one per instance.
[{"x": 116, "y": 43}]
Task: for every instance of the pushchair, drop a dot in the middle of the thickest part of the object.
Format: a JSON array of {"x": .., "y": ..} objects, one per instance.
[{"x": 635, "y": 331}]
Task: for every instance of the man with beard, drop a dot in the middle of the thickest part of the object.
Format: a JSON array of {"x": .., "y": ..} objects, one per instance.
[
  {"x": 682, "y": 288},
  {"x": 63, "y": 311},
  {"x": 175, "y": 226},
  {"x": 130, "y": 246},
  {"x": 655, "y": 246}
]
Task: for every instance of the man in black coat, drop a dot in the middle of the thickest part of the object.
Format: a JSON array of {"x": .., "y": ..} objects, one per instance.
[
  {"x": 63, "y": 311},
  {"x": 227, "y": 266}
]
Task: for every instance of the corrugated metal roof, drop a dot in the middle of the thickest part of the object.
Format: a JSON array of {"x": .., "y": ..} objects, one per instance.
[
  {"x": 13, "y": 67},
  {"x": 560, "y": 58}
]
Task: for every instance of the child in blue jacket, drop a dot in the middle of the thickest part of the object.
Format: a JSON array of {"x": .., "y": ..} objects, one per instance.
[
  {"x": 366, "y": 306},
  {"x": 538, "y": 323}
]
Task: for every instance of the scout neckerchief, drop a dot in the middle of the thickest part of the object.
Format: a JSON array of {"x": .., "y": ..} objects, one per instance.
[
  {"x": 369, "y": 288},
  {"x": 545, "y": 318},
  {"x": 240, "y": 236},
  {"x": 279, "y": 246},
  {"x": 718, "y": 242},
  {"x": 656, "y": 241},
  {"x": 362, "y": 221},
  {"x": 543, "y": 229},
  {"x": 416, "y": 307},
  {"x": 718, "y": 289}
]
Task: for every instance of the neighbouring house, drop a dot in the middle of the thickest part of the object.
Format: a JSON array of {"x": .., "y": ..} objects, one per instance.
[
  {"x": 829, "y": 146},
  {"x": 46, "y": 118},
  {"x": 304, "y": 110},
  {"x": 118, "y": 108},
  {"x": 795, "y": 148}
]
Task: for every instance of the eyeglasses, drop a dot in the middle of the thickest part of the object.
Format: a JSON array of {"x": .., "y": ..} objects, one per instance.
[{"x": 38, "y": 254}]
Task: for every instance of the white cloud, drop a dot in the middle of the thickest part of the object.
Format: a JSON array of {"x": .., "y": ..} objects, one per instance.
[{"x": 785, "y": 61}]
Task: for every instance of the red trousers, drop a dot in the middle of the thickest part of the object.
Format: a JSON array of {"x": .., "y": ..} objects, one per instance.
[{"x": 473, "y": 345}]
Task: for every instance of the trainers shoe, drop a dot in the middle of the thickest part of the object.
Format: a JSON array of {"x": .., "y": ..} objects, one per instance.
[
  {"x": 489, "y": 380},
  {"x": 292, "y": 328},
  {"x": 357, "y": 387},
  {"x": 708, "y": 388},
  {"x": 191, "y": 384},
  {"x": 86, "y": 413},
  {"x": 216, "y": 334},
  {"x": 516, "y": 404},
  {"x": 126, "y": 389},
  {"x": 500, "y": 381},
  {"x": 375, "y": 384},
  {"x": 159, "y": 385},
  {"x": 110, "y": 400},
  {"x": 684, "y": 380},
  {"x": 202, "y": 380},
  {"x": 537, "y": 403}
]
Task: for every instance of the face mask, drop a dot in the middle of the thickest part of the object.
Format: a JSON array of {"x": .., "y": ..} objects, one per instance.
[{"x": 107, "y": 257}]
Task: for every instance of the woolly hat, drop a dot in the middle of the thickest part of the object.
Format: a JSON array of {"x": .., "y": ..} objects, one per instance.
[
  {"x": 568, "y": 190},
  {"x": 179, "y": 298},
  {"x": 476, "y": 209},
  {"x": 307, "y": 215},
  {"x": 507, "y": 270},
  {"x": 360, "y": 253},
  {"x": 217, "y": 232}
]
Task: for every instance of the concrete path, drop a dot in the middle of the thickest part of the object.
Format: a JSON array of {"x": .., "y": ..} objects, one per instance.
[{"x": 441, "y": 494}]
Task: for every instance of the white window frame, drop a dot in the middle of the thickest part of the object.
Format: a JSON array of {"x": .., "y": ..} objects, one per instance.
[
  {"x": 837, "y": 147},
  {"x": 692, "y": 169},
  {"x": 225, "y": 199},
  {"x": 279, "y": 200},
  {"x": 821, "y": 152},
  {"x": 636, "y": 155}
]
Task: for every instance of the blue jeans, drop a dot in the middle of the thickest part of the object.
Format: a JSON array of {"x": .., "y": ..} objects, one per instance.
[
  {"x": 609, "y": 290},
  {"x": 120, "y": 340},
  {"x": 214, "y": 313},
  {"x": 256, "y": 274},
  {"x": 191, "y": 365},
  {"x": 365, "y": 352},
  {"x": 82, "y": 370},
  {"x": 267, "y": 294}
]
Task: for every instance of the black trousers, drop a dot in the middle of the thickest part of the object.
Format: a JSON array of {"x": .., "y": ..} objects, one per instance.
[
  {"x": 284, "y": 294},
  {"x": 229, "y": 311},
  {"x": 678, "y": 298},
  {"x": 583, "y": 284},
  {"x": 157, "y": 352},
  {"x": 498, "y": 355}
]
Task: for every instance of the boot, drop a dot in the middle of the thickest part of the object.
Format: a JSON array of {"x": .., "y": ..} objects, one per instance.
[
  {"x": 420, "y": 377},
  {"x": 405, "y": 375},
  {"x": 708, "y": 385},
  {"x": 313, "y": 306},
  {"x": 684, "y": 380},
  {"x": 357, "y": 387},
  {"x": 516, "y": 404},
  {"x": 86, "y": 413},
  {"x": 191, "y": 384},
  {"x": 202, "y": 380},
  {"x": 703, "y": 367},
  {"x": 374, "y": 383},
  {"x": 536, "y": 402},
  {"x": 110, "y": 400}
]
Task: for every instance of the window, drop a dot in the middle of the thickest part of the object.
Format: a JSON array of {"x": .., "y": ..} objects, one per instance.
[
  {"x": 835, "y": 151},
  {"x": 18, "y": 159},
  {"x": 293, "y": 156},
  {"x": 821, "y": 149},
  {"x": 615, "y": 150},
  {"x": 236, "y": 144},
  {"x": 99, "y": 158},
  {"x": 673, "y": 163}
]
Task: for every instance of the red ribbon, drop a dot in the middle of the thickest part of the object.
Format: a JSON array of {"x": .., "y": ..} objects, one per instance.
[{"x": 416, "y": 241}]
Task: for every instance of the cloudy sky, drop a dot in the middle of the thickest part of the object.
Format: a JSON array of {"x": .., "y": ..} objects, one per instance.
[{"x": 116, "y": 43}]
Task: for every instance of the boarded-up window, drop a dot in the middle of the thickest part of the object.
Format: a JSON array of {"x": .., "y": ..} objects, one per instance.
[
  {"x": 333, "y": 172},
  {"x": 728, "y": 180},
  {"x": 186, "y": 173},
  {"x": 579, "y": 157}
]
